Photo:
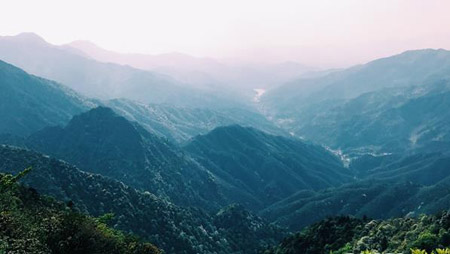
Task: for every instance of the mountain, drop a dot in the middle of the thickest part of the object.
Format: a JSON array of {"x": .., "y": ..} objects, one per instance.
[
  {"x": 407, "y": 69},
  {"x": 58, "y": 228},
  {"x": 174, "y": 229},
  {"x": 328, "y": 236},
  {"x": 179, "y": 124},
  {"x": 396, "y": 187},
  {"x": 394, "y": 104},
  {"x": 102, "y": 80},
  {"x": 102, "y": 142},
  {"x": 353, "y": 235},
  {"x": 395, "y": 120},
  {"x": 389, "y": 119},
  {"x": 29, "y": 103},
  {"x": 259, "y": 169},
  {"x": 246, "y": 228},
  {"x": 204, "y": 72}
]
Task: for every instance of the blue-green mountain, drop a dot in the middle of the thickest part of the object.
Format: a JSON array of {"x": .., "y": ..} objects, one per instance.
[
  {"x": 391, "y": 105},
  {"x": 261, "y": 168},
  {"x": 29, "y": 103}
]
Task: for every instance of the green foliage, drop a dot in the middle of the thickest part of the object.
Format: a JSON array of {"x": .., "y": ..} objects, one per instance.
[
  {"x": 347, "y": 248},
  {"x": 8, "y": 181},
  {"x": 442, "y": 251},
  {"x": 106, "y": 218},
  {"x": 330, "y": 235},
  {"x": 30, "y": 223},
  {"x": 427, "y": 234},
  {"x": 426, "y": 241},
  {"x": 436, "y": 251},
  {"x": 368, "y": 252},
  {"x": 174, "y": 229}
]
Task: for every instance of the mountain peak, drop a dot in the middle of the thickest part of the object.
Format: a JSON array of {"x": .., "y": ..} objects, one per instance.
[
  {"x": 30, "y": 37},
  {"x": 105, "y": 123},
  {"x": 233, "y": 128},
  {"x": 101, "y": 111},
  {"x": 86, "y": 47},
  {"x": 232, "y": 134},
  {"x": 416, "y": 55}
]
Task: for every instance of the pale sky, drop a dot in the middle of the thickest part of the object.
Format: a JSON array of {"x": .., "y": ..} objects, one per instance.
[{"x": 326, "y": 33}]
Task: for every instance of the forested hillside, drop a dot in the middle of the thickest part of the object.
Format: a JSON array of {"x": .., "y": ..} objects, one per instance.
[
  {"x": 31, "y": 223},
  {"x": 29, "y": 103},
  {"x": 172, "y": 228},
  {"x": 261, "y": 168},
  {"x": 354, "y": 235}
]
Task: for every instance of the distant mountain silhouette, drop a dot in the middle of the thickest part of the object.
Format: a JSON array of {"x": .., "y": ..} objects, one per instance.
[
  {"x": 204, "y": 72},
  {"x": 102, "y": 80},
  {"x": 389, "y": 105},
  {"x": 29, "y": 103}
]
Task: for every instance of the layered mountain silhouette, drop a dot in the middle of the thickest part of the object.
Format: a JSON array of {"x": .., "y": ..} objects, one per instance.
[
  {"x": 179, "y": 124},
  {"x": 202, "y": 72},
  {"x": 179, "y": 164},
  {"x": 103, "y": 80},
  {"x": 171, "y": 228},
  {"x": 395, "y": 104},
  {"x": 29, "y": 103},
  {"x": 102, "y": 142},
  {"x": 252, "y": 170},
  {"x": 391, "y": 187},
  {"x": 262, "y": 168}
]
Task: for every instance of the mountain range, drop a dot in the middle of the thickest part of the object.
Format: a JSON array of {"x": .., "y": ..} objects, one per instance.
[
  {"x": 200, "y": 168},
  {"x": 266, "y": 167},
  {"x": 202, "y": 72},
  {"x": 172, "y": 228},
  {"x": 29, "y": 103},
  {"x": 395, "y": 104},
  {"x": 104, "y": 80},
  {"x": 102, "y": 142}
]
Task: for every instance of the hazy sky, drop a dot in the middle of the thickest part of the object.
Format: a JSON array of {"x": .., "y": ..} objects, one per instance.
[{"x": 317, "y": 32}]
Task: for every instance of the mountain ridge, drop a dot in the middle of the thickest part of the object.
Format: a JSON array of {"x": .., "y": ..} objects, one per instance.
[
  {"x": 101, "y": 141},
  {"x": 254, "y": 163},
  {"x": 172, "y": 228},
  {"x": 30, "y": 103}
]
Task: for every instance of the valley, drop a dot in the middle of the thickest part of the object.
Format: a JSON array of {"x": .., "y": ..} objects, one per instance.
[{"x": 347, "y": 160}]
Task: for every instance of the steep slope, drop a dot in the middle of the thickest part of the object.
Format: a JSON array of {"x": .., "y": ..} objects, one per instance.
[
  {"x": 259, "y": 168},
  {"x": 179, "y": 124},
  {"x": 411, "y": 185},
  {"x": 100, "y": 141},
  {"x": 101, "y": 80},
  {"x": 174, "y": 229},
  {"x": 388, "y": 105},
  {"x": 57, "y": 228},
  {"x": 29, "y": 103}
]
